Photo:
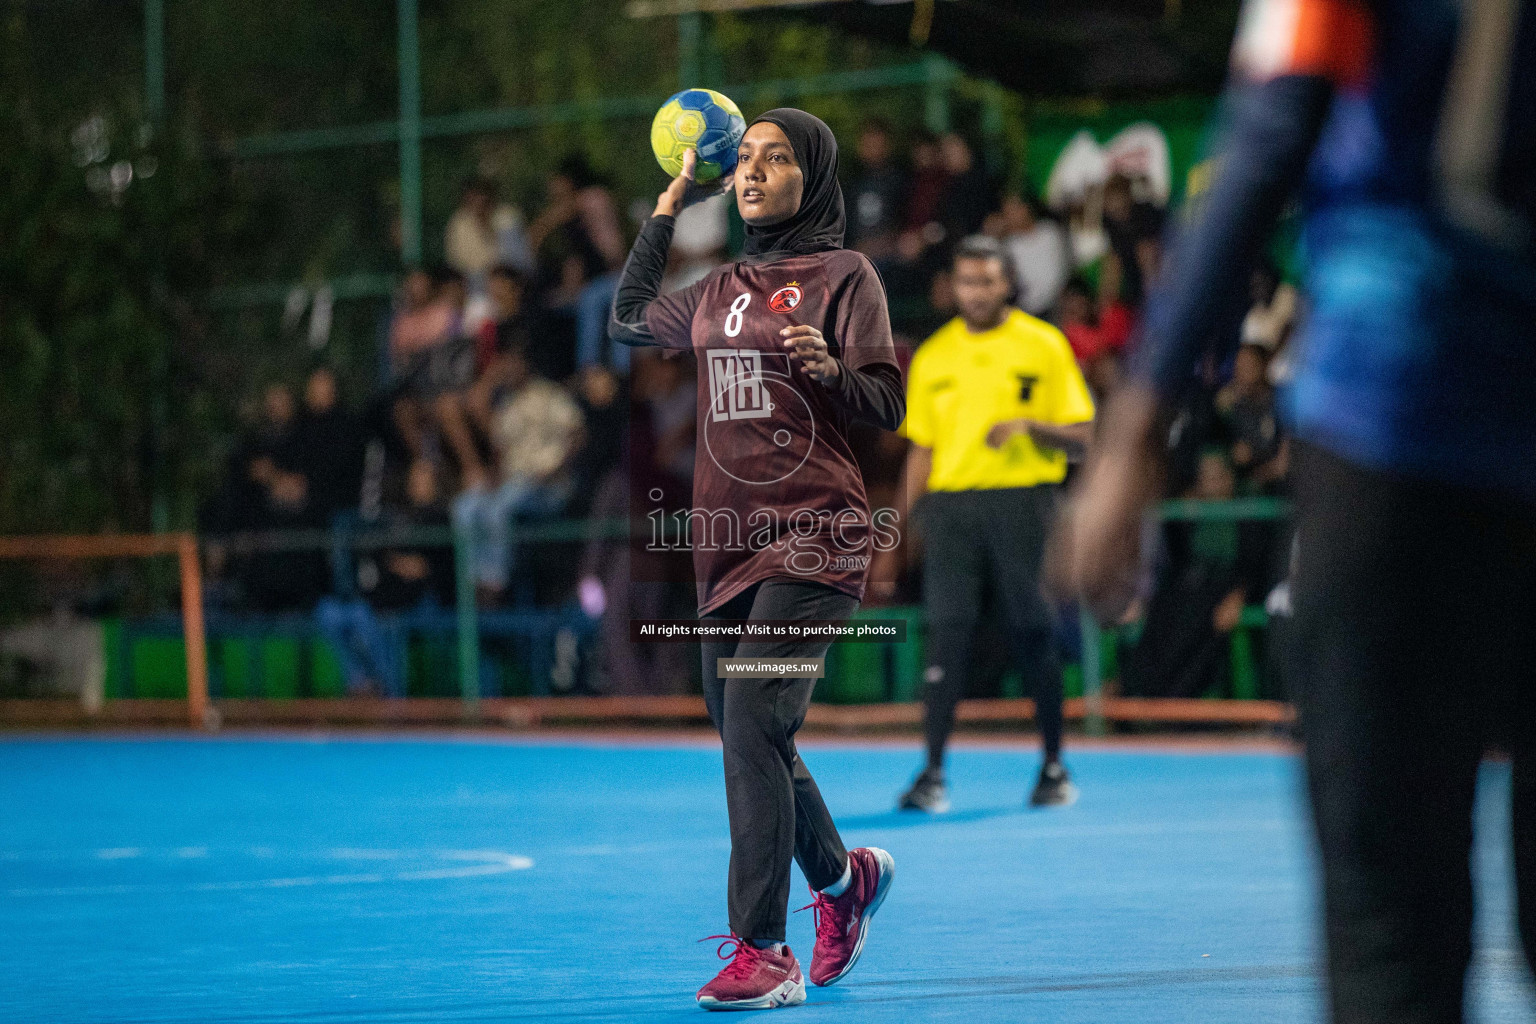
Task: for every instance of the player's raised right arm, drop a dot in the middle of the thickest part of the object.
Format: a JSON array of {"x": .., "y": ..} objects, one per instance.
[
  {"x": 684, "y": 191},
  {"x": 630, "y": 322}
]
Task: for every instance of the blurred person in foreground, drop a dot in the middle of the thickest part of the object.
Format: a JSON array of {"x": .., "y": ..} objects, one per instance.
[
  {"x": 996, "y": 407},
  {"x": 1413, "y": 128}
]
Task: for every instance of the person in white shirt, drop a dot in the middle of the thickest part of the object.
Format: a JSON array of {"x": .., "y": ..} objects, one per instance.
[
  {"x": 1041, "y": 254},
  {"x": 482, "y": 233},
  {"x": 535, "y": 428}
]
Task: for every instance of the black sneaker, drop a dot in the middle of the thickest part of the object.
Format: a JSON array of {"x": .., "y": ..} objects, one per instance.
[
  {"x": 928, "y": 794},
  {"x": 1054, "y": 789}
]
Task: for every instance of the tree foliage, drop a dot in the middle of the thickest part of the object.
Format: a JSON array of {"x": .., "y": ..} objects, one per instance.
[
  {"x": 122, "y": 383},
  {"x": 102, "y": 401}
]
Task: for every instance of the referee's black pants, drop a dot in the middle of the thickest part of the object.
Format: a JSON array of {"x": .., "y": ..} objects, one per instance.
[
  {"x": 1415, "y": 633},
  {"x": 972, "y": 541},
  {"x": 776, "y": 811}
]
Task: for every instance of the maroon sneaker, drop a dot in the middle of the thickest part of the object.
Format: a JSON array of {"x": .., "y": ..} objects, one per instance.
[
  {"x": 842, "y": 922},
  {"x": 755, "y": 979}
]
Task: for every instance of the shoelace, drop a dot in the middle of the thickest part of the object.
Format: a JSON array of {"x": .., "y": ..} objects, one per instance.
[
  {"x": 831, "y": 914},
  {"x": 743, "y": 956}
]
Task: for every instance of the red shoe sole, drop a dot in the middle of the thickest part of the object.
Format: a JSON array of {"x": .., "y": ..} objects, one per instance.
[{"x": 790, "y": 993}]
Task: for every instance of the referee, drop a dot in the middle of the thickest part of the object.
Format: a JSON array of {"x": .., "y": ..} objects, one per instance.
[{"x": 996, "y": 407}]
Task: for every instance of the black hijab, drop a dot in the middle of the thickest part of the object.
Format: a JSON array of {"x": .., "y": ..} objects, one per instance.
[{"x": 819, "y": 223}]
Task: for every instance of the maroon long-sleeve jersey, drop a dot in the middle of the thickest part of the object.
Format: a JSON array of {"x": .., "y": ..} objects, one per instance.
[{"x": 776, "y": 490}]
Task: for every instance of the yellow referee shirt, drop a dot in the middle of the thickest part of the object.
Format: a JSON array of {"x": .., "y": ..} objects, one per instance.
[{"x": 960, "y": 384}]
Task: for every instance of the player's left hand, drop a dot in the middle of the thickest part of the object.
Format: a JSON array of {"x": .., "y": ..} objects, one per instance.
[
  {"x": 1227, "y": 614},
  {"x": 806, "y": 344},
  {"x": 1001, "y": 432},
  {"x": 1123, "y": 478}
]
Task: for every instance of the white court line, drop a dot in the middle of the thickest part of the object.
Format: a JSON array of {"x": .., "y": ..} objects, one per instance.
[
  {"x": 348, "y": 853},
  {"x": 472, "y": 864}
]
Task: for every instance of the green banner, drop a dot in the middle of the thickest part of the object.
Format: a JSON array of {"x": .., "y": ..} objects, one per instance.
[{"x": 1161, "y": 140}]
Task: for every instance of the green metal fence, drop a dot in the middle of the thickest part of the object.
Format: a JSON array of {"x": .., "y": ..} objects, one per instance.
[
  {"x": 1092, "y": 634},
  {"x": 866, "y": 673},
  {"x": 409, "y": 128}
]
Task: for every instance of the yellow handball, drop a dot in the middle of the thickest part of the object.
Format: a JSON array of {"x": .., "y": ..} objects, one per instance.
[{"x": 699, "y": 119}]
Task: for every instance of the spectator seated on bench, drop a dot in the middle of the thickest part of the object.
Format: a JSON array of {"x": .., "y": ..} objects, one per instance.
[
  {"x": 536, "y": 429},
  {"x": 368, "y": 638}
]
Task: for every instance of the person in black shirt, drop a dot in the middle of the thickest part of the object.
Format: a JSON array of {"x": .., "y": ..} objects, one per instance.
[
  {"x": 1247, "y": 404},
  {"x": 877, "y": 195},
  {"x": 371, "y": 645},
  {"x": 1134, "y": 229},
  {"x": 969, "y": 193},
  {"x": 327, "y": 450}
]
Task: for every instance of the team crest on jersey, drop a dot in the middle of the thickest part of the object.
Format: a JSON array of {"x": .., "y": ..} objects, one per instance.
[{"x": 786, "y": 298}]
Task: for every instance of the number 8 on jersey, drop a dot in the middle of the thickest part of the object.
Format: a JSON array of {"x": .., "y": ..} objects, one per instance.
[{"x": 734, "y": 320}]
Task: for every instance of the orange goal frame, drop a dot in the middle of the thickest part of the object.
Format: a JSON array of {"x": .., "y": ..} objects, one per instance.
[{"x": 141, "y": 545}]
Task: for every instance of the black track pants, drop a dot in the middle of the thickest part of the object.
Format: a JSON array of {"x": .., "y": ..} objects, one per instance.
[
  {"x": 974, "y": 540},
  {"x": 1415, "y": 632},
  {"x": 775, "y": 808}
]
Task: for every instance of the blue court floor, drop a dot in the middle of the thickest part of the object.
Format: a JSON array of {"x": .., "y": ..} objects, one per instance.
[{"x": 330, "y": 881}]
